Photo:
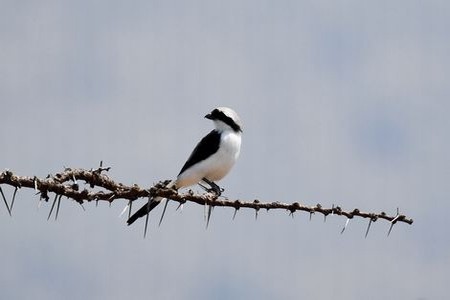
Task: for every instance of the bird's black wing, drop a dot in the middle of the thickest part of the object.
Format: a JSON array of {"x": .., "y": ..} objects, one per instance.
[{"x": 204, "y": 149}]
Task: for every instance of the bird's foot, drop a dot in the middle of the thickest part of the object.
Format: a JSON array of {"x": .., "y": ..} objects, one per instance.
[{"x": 214, "y": 188}]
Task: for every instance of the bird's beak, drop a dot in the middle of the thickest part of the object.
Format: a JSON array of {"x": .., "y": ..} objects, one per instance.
[{"x": 209, "y": 116}]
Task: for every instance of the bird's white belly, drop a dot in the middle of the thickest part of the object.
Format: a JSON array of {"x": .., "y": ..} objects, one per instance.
[{"x": 217, "y": 165}]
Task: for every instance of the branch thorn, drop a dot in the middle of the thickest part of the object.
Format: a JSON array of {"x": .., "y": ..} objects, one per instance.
[
  {"x": 394, "y": 220},
  {"x": 163, "y": 212},
  {"x": 53, "y": 205},
  {"x": 345, "y": 226},
  {"x": 6, "y": 202},
  {"x": 368, "y": 228},
  {"x": 235, "y": 212},
  {"x": 210, "y": 209},
  {"x": 125, "y": 209},
  {"x": 130, "y": 203},
  {"x": 35, "y": 184},
  {"x": 147, "y": 216},
  {"x": 57, "y": 207},
  {"x": 13, "y": 198},
  {"x": 180, "y": 207}
]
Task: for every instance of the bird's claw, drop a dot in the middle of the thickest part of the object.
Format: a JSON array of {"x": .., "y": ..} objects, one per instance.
[{"x": 214, "y": 188}]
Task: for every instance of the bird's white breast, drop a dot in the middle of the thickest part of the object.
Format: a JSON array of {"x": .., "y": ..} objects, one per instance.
[
  {"x": 217, "y": 165},
  {"x": 226, "y": 156}
]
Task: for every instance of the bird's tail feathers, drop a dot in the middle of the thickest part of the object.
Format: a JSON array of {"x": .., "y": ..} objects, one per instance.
[
  {"x": 144, "y": 210},
  {"x": 148, "y": 207}
]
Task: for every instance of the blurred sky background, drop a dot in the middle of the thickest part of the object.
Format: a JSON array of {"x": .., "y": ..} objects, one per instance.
[{"x": 343, "y": 102}]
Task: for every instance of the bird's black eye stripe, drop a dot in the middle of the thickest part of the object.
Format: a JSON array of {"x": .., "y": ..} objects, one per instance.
[
  {"x": 219, "y": 115},
  {"x": 215, "y": 113}
]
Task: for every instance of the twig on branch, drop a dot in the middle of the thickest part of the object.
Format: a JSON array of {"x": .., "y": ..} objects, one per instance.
[{"x": 66, "y": 184}]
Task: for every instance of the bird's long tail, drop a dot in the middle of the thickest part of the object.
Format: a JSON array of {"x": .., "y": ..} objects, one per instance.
[
  {"x": 144, "y": 210},
  {"x": 148, "y": 207}
]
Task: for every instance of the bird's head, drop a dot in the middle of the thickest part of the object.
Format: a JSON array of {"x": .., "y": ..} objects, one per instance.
[{"x": 225, "y": 118}]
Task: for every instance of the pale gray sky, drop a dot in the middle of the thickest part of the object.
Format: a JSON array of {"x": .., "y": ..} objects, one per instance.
[{"x": 343, "y": 102}]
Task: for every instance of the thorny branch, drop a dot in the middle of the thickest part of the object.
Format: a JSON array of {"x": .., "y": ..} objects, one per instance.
[{"x": 98, "y": 186}]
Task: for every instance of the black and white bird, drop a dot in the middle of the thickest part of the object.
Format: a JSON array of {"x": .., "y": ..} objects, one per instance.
[{"x": 211, "y": 160}]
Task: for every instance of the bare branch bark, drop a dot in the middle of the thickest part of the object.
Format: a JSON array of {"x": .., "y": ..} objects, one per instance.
[{"x": 98, "y": 186}]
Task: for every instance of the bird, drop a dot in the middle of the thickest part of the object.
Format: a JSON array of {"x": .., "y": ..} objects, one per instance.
[{"x": 210, "y": 161}]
